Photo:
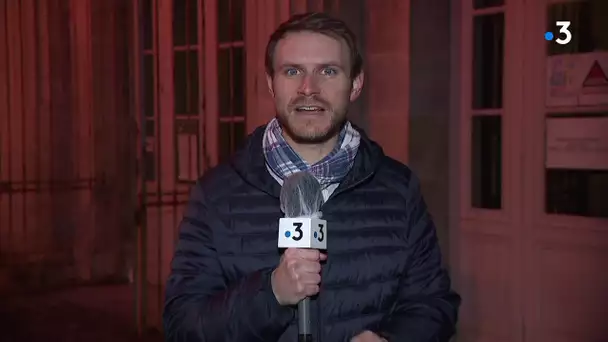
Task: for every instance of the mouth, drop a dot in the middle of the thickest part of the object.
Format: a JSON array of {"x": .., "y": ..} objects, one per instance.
[{"x": 309, "y": 109}]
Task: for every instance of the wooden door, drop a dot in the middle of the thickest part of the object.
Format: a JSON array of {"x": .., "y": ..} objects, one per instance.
[
  {"x": 485, "y": 237},
  {"x": 529, "y": 250},
  {"x": 191, "y": 100},
  {"x": 565, "y": 206}
]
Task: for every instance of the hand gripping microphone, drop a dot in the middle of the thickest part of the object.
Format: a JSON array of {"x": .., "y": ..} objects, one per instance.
[{"x": 302, "y": 227}]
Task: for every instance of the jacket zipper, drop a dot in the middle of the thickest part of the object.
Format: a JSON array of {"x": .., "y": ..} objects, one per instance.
[{"x": 319, "y": 320}]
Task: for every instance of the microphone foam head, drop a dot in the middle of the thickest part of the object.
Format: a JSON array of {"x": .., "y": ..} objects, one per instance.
[{"x": 301, "y": 195}]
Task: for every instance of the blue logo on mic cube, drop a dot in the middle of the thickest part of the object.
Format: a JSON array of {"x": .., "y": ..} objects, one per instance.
[{"x": 302, "y": 232}]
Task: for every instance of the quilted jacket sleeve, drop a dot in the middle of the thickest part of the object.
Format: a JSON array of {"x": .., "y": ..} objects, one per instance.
[
  {"x": 427, "y": 308},
  {"x": 200, "y": 306}
]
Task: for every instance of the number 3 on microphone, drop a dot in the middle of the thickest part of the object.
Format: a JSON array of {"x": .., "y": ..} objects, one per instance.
[
  {"x": 298, "y": 229},
  {"x": 321, "y": 234}
]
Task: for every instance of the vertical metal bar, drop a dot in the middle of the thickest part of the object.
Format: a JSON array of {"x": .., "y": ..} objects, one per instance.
[
  {"x": 84, "y": 237},
  {"x": 163, "y": 20},
  {"x": 5, "y": 212},
  {"x": 231, "y": 106},
  {"x": 37, "y": 131},
  {"x": 187, "y": 9},
  {"x": 157, "y": 151},
  {"x": 27, "y": 110},
  {"x": 140, "y": 245},
  {"x": 16, "y": 176},
  {"x": 211, "y": 112},
  {"x": 203, "y": 158},
  {"x": 255, "y": 56},
  {"x": 44, "y": 121},
  {"x": 23, "y": 248},
  {"x": 34, "y": 237}
]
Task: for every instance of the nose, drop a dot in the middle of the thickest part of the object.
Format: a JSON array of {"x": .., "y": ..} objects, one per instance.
[{"x": 309, "y": 86}]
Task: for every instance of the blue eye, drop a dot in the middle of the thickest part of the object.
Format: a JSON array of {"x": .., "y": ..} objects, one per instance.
[
  {"x": 329, "y": 71},
  {"x": 291, "y": 72}
]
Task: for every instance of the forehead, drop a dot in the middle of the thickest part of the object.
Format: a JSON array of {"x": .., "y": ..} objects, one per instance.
[{"x": 310, "y": 48}]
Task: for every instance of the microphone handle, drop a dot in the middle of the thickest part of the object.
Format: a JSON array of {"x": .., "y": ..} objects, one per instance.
[{"x": 304, "y": 332}]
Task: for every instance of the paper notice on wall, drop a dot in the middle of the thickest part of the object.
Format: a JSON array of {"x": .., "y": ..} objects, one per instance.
[
  {"x": 577, "y": 80},
  {"x": 577, "y": 143}
]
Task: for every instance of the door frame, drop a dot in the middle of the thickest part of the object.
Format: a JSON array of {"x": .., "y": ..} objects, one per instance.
[{"x": 485, "y": 244}]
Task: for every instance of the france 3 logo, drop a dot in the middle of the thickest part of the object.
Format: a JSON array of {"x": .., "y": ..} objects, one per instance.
[
  {"x": 302, "y": 233},
  {"x": 564, "y": 35}
]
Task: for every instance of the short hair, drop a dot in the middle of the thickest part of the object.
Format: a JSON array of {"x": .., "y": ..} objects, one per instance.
[{"x": 319, "y": 23}]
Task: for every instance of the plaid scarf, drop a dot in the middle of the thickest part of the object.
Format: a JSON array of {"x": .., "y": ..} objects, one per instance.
[{"x": 284, "y": 161}]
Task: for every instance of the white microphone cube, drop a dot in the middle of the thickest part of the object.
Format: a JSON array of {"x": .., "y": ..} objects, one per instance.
[{"x": 302, "y": 232}]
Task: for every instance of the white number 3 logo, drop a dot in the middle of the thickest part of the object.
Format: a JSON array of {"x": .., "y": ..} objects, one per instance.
[{"x": 564, "y": 25}]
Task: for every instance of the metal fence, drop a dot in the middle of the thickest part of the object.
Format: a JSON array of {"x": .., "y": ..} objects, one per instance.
[
  {"x": 109, "y": 111},
  {"x": 67, "y": 144}
]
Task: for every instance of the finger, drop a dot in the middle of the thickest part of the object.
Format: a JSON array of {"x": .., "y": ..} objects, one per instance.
[
  {"x": 309, "y": 254},
  {"x": 303, "y": 266},
  {"x": 291, "y": 252},
  {"x": 309, "y": 278},
  {"x": 311, "y": 290}
]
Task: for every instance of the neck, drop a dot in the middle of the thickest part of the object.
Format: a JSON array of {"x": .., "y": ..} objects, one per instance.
[{"x": 312, "y": 153}]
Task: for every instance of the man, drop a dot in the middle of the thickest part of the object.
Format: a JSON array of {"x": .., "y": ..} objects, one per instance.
[{"x": 381, "y": 278}]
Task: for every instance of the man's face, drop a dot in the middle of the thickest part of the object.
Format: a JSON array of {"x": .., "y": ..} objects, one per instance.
[{"x": 312, "y": 86}]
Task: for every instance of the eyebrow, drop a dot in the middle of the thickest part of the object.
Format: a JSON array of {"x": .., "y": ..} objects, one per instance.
[{"x": 301, "y": 66}]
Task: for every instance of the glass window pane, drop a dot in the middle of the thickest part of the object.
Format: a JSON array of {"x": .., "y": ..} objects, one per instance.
[
  {"x": 587, "y": 26},
  {"x": 192, "y": 24},
  {"x": 577, "y": 192},
  {"x": 488, "y": 38},
  {"x": 185, "y": 16},
  {"x": 149, "y": 85},
  {"x": 576, "y": 176},
  {"x": 486, "y": 162},
  {"x": 185, "y": 77},
  {"x": 238, "y": 20},
  {"x": 477, "y": 4},
  {"x": 223, "y": 82},
  {"x": 193, "y": 82},
  {"x": 147, "y": 24},
  {"x": 180, "y": 77},
  {"x": 179, "y": 22},
  {"x": 238, "y": 81},
  {"x": 223, "y": 21}
]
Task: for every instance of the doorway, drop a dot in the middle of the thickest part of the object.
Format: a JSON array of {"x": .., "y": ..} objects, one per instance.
[{"x": 531, "y": 237}]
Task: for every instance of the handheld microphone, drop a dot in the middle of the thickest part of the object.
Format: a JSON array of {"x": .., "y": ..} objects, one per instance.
[{"x": 302, "y": 227}]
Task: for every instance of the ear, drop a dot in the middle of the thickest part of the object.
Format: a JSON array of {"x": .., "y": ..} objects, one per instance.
[
  {"x": 357, "y": 86},
  {"x": 269, "y": 83}
]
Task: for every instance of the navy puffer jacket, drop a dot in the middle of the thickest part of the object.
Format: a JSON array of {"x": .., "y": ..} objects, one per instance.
[{"x": 383, "y": 271}]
